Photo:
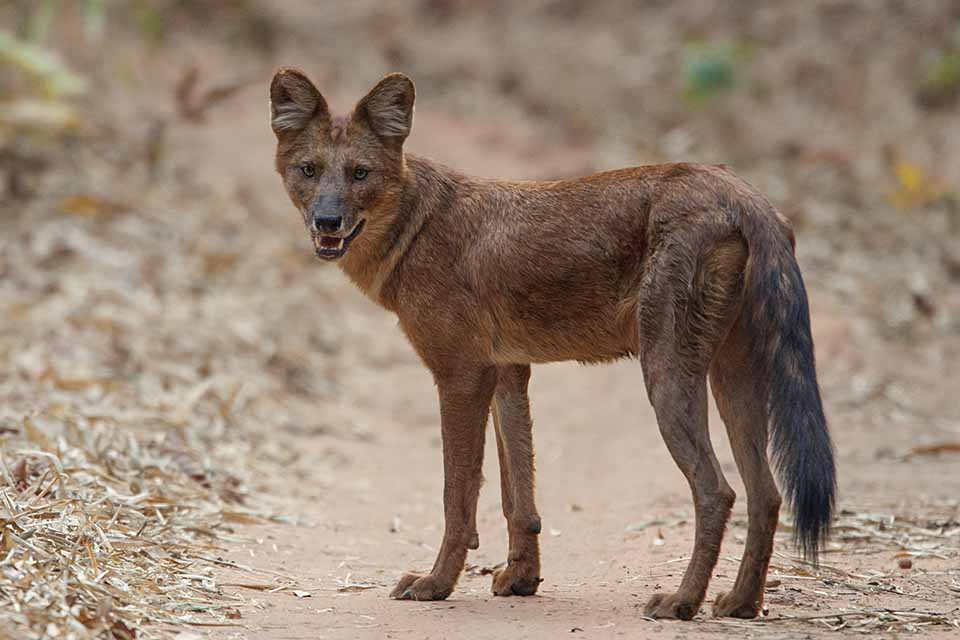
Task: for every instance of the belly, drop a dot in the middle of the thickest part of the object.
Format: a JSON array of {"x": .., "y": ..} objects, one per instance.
[{"x": 538, "y": 330}]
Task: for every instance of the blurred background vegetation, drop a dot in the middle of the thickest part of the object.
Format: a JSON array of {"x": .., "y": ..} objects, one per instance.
[
  {"x": 844, "y": 112},
  {"x": 142, "y": 125},
  {"x": 152, "y": 112}
]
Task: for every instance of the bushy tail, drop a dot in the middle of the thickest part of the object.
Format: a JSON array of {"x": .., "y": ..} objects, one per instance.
[{"x": 778, "y": 317}]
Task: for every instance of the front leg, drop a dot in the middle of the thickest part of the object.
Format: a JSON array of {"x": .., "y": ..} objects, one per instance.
[
  {"x": 465, "y": 395},
  {"x": 511, "y": 418}
]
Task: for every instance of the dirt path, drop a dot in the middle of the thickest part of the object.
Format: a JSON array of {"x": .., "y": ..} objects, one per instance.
[
  {"x": 616, "y": 510},
  {"x": 373, "y": 504}
]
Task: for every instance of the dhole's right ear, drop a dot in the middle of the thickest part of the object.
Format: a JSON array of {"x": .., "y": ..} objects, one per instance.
[{"x": 294, "y": 102}]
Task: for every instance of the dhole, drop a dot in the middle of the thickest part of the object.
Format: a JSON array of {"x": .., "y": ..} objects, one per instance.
[{"x": 685, "y": 267}]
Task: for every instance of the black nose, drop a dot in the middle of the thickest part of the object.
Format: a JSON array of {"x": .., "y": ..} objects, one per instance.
[{"x": 327, "y": 222}]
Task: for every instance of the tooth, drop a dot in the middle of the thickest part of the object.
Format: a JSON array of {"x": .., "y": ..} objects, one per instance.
[{"x": 340, "y": 244}]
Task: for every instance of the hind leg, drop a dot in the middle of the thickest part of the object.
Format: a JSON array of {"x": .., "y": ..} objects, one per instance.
[
  {"x": 678, "y": 392},
  {"x": 681, "y": 407},
  {"x": 740, "y": 400},
  {"x": 678, "y": 337}
]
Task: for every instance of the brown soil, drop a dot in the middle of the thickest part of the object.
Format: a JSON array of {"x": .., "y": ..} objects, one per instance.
[{"x": 374, "y": 509}]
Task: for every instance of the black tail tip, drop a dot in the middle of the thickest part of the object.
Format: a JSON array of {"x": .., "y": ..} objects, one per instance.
[{"x": 813, "y": 509}]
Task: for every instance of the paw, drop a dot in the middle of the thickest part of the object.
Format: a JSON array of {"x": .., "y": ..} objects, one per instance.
[
  {"x": 417, "y": 587},
  {"x": 670, "y": 605},
  {"x": 517, "y": 579},
  {"x": 729, "y": 606}
]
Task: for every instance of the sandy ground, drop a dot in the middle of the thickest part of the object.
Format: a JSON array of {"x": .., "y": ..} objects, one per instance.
[
  {"x": 616, "y": 510},
  {"x": 374, "y": 511},
  {"x": 368, "y": 484}
]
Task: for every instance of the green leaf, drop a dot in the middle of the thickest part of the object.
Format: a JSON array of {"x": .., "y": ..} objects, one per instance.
[{"x": 41, "y": 65}]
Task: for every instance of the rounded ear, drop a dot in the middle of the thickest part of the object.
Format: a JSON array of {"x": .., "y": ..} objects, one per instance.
[
  {"x": 388, "y": 108},
  {"x": 294, "y": 102}
]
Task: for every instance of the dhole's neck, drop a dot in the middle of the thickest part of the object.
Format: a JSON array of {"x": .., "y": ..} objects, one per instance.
[{"x": 373, "y": 265}]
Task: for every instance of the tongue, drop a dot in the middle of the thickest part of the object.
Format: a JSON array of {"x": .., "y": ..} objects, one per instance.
[{"x": 329, "y": 242}]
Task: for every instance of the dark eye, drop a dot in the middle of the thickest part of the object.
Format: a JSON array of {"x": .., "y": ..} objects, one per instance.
[
  {"x": 308, "y": 170},
  {"x": 360, "y": 173}
]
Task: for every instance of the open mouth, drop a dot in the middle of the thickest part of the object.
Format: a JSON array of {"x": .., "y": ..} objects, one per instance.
[{"x": 333, "y": 247}]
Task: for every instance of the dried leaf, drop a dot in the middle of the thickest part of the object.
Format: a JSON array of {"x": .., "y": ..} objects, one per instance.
[
  {"x": 91, "y": 206},
  {"x": 915, "y": 188},
  {"x": 934, "y": 449}
]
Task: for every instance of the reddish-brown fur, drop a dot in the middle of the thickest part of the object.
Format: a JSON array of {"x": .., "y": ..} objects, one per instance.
[{"x": 490, "y": 276}]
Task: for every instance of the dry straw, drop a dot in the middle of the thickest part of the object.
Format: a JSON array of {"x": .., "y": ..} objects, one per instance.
[{"x": 109, "y": 535}]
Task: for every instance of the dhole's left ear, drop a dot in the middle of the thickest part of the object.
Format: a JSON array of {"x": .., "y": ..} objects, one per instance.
[
  {"x": 294, "y": 102},
  {"x": 388, "y": 108}
]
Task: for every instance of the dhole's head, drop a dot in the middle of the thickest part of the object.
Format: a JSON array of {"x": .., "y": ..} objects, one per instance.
[{"x": 341, "y": 173}]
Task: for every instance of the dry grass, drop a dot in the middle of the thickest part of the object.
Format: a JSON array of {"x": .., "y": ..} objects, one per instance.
[
  {"x": 106, "y": 533},
  {"x": 920, "y": 553},
  {"x": 140, "y": 359},
  {"x": 138, "y": 369}
]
